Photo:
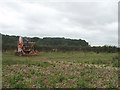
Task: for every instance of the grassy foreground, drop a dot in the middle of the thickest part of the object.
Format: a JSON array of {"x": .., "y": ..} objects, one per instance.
[{"x": 60, "y": 70}]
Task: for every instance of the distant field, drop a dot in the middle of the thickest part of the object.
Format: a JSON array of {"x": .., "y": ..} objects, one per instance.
[{"x": 61, "y": 70}]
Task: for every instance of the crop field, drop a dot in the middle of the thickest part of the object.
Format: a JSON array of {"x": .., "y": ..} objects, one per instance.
[{"x": 60, "y": 70}]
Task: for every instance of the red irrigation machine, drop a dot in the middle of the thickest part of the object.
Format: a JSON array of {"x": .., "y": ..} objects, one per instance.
[{"x": 26, "y": 47}]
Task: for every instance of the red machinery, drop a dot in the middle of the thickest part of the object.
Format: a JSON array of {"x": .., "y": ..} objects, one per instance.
[{"x": 25, "y": 47}]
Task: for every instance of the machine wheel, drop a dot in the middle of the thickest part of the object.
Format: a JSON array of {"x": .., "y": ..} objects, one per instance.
[{"x": 19, "y": 54}]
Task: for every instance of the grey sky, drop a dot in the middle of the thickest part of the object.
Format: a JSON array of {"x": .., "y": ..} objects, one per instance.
[{"x": 95, "y": 22}]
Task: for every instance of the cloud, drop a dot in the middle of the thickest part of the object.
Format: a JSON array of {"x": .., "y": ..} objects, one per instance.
[{"x": 95, "y": 22}]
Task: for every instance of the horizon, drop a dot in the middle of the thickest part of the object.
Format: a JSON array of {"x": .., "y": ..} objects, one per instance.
[{"x": 60, "y": 37}]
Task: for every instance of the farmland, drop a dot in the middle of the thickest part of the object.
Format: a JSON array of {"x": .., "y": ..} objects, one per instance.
[{"x": 60, "y": 70}]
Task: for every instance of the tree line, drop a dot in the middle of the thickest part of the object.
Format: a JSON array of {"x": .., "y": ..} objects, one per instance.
[{"x": 56, "y": 44}]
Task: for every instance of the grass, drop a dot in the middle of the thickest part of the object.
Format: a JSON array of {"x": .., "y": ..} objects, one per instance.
[
  {"x": 61, "y": 70},
  {"x": 91, "y": 58}
]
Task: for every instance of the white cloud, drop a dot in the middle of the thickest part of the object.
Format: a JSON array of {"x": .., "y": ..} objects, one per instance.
[{"x": 95, "y": 22}]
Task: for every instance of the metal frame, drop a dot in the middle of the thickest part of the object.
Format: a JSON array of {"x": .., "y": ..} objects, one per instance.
[{"x": 21, "y": 48}]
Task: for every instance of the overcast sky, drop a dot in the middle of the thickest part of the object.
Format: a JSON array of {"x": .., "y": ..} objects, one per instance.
[{"x": 95, "y": 22}]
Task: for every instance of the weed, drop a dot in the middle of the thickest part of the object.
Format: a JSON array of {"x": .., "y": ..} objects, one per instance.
[
  {"x": 29, "y": 75},
  {"x": 115, "y": 64},
  {"x": 61, "y": 78},
  {"x": 73, "y": 63},
  {"x": 20, "y": 85},
  {"x": 38, "y": 74},
  {"x": 82, "y": 73},
  {"x": 110, "y": 86},
  {"x": 33, "y": 72},
  {"x": 40, "y": 81},
  {"x": 29, "y": 65},
  {"x": 53, "y": 82},
  {"x": 53, "y": 65},
  {"x": 14, "y": 81},
  {"x": 72, "y": 76},
  {"x": 81, "y": 83},
  {"x": 44, "y": 64}
]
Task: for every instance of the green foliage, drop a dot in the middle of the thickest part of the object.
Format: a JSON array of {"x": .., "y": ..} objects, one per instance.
[
  {"x": 16, "y": 81},
  {"x": 17, "y": 78},
  {"x": 29, "y": 75},
  {"x": 115, "y": 61},
  {"x": 33, "y": 72},
  {"x": 45, "y": 44},
  {"x": 60, "y": 70},
  {"x": 81, "y": 83},
  {"x": 38, "y": 74},
  {"x": 20, "y": 85},
  {"x": 72, "y": 77},
  {"x": 53, "y": 65},
  {"x": 40, "y": 81},
  {"x": 79, "y": 57},
  {"x": 82, "y": 73},
  {"x": 44, "y": 64},
  {"x": 110, "y": 85},
  {"x": 61, "y": 78}
]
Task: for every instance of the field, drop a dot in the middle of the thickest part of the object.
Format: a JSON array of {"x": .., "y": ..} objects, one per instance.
[{"x": 60, "y": 70}]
